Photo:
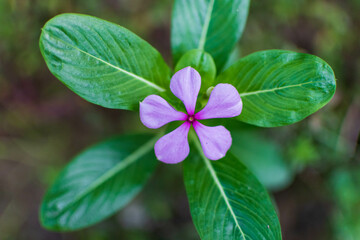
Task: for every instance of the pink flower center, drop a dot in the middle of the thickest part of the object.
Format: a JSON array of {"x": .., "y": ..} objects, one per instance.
[{"x": 191, "y": 118}]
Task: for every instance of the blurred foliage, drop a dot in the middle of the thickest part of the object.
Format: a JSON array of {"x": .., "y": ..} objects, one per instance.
[
  {"x": 303, "y": 153},
  {"x": 43, "y": 124},
  {"x": 262, "y": 157},
  {"x": 344, "y": 184}
]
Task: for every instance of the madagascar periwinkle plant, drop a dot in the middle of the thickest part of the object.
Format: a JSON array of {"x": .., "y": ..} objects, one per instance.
[{"x": 112, "y": 67}]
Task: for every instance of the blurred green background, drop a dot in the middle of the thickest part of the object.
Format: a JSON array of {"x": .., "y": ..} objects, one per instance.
[{"x": 43, "y": 124}]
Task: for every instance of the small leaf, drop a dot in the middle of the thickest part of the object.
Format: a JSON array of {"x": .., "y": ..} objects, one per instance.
[
  {"x": 280, "y": 87},
  {"x": 226, "y": 201},
  {"x": 102, "y": 62},
  {"x": 203, "y": 63},
  {"x": 262, "y": 157},
  {"x": 98, "y": 182},
  {"x": 211, "y": 25}
]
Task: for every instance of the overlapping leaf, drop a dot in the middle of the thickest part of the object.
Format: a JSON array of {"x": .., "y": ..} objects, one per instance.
[
  {"x": 280, "y": 87},
  {"x": 99, "y": 182},
  {"x": 227, "y": 202},
  {"x": 102, "y": 62},
  {"x": 211, "y": 25}
]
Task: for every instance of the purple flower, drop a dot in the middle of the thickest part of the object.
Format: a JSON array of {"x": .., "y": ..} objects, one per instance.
[{"x": 224, "y": 102}]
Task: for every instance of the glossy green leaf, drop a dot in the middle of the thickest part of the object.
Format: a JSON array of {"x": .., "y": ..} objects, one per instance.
[
  {"x": 280, "y": 87},
  {"x": 262, "y": 157},
  {"x": 211, "y": 25},
  {"x": 203, "y": 63},
  {"x": 102, "y": 62},
  {"x": 226, "y": 201},
  {"x": 99, "y": 182}
]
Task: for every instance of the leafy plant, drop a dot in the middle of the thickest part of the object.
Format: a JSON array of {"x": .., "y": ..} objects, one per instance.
[{"x": 110, "y": 66}]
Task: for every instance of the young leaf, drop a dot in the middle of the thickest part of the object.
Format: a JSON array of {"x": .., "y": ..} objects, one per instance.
[
  {"x": 102, "y": 62},
  {"x": 226, "y": 201},
  {"x": 98, "y": 182},
  {"x": 211, "y": 25},
  {"x": 203, "y": 63},
  {"x": 280, "y": 87}
]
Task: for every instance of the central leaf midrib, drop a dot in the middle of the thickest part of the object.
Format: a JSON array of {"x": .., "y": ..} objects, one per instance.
[
  {"x": 217, "y": 182},
  {"x": 148, "y": 82},
  {"x": 205, "y": 27},
  {"x": 113, "y": 171},
  {"x": 274, "y": 89}
]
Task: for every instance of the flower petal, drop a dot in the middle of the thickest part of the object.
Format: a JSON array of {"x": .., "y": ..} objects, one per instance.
[
  {"x": 174, "y": 146},
  {"x": 215, "y": 141},
  {"x": 155, "y": 112},
  {"x": 224, "y": 102},
  {"x": 185, "y": 84}
]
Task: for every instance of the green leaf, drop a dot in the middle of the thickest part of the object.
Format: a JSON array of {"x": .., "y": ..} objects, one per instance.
[
  {"x": 233, "y": 57},
  {"x": 203, "y": 63},
  {"x": 263, "y": 158},
  {"x": 226, "y": 201},
  {"x": 102, "y": 62},
  {"x": 98, "y": 182},
  {"x": 280, "y": 87},
  {"x": 211, "y": 25}
]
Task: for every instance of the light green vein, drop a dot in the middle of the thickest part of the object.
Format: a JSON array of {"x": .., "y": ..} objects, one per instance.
[
  {"x": 206, "y": 25},
  {"x": 153, "y": 85},
  {"x": 116, "y": 169},
  {"x": 273, "y": 89},
  {"x": 217, "y": 181}
]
